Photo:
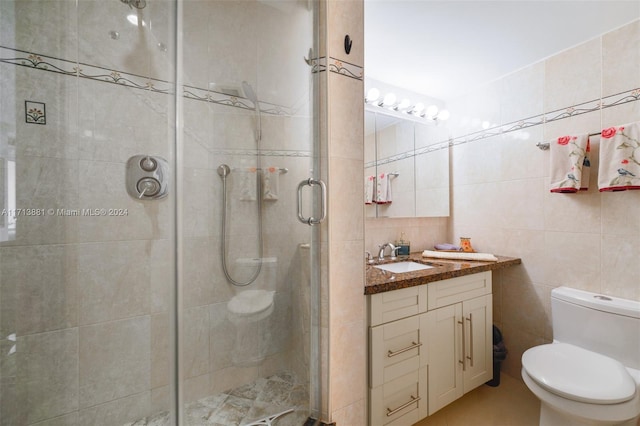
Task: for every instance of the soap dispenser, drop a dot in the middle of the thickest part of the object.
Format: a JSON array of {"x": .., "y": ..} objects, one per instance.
[{"x": 403, "y": 246}]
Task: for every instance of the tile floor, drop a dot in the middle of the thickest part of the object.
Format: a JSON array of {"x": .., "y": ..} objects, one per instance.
[
  {"x": 245, "y": 405},
  {"x": 510, "y": 404}
]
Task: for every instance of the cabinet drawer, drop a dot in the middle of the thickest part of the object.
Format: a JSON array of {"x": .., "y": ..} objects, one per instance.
[
  {"x": 454, "y": 290},
  {"x": 402, "y": 401},
  {"x": 397, "y": 304},
  {"x": 396, "y": 348}
]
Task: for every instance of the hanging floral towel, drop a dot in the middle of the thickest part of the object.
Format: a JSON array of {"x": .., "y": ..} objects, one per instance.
[
  {"x": 570, "y": 163},
  {"x": 270, "y": 183},
  {"x": 619, "y": 168},
  {"x": 368, "y": 189},
  {"x": 383, "y": 189}
]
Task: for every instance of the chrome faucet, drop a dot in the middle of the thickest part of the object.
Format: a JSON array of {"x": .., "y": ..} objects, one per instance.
[{"x": 383, "y": 248}]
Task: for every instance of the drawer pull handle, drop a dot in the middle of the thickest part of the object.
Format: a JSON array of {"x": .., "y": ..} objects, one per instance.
[
  {"x": 391, "y": 412},
  {"x": 403, "y": 350}
]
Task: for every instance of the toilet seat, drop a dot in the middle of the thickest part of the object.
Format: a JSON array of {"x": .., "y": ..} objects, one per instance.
[
  {"x": 250, "y": 302},
  {"x": 579, "y": 374}
]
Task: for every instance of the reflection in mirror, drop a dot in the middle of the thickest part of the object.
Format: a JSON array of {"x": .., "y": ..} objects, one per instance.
[
  {"x": 432, "y": 172},
  {"x": 409, "y": 160}
]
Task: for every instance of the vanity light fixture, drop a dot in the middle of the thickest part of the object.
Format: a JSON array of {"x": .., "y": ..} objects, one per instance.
[{"x": 373, "y": 98}]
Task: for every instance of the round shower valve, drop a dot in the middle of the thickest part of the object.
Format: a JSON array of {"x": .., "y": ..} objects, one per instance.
[{"x": 148, "y": 187}]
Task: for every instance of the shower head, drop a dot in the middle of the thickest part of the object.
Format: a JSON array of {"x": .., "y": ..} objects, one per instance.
[
  {"x": 138, "y": 4},
  {"x": 249, "y": 93}
]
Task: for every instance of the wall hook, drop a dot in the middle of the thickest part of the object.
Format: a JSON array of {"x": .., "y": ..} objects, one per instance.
[{"x": 347, "y": 44}]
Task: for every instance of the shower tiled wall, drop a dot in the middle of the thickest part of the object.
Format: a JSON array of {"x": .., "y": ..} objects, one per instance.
[{"x": 85, "y": 301}]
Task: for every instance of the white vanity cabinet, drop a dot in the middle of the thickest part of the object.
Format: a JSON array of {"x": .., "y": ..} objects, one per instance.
[{"x": 428, "y": 345}]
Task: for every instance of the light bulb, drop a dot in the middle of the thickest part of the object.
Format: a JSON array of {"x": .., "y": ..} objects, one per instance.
[
  {"x": 389, "y": 99},
  {"x": 444, "y": 115},
  {"x": 432, "y": 111},
  {"x": 404, "y": 104},
  {"x": 372, "y": 95}
]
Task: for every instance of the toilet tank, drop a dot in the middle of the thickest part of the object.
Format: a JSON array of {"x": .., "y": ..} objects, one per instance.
[{"x": 604, "y": 324}]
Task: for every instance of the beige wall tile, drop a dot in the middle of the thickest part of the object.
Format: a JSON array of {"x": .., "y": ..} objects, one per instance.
[
  {"x": 119, "y": 411},
  {"x": 114, "y": 360},
  {"x": 621, "y": 59},
  {"x": 348, "y": 369},
  {"x": 346, "y": 17},
  {"x": 39, "y": 289},
  {"x": 573, "y": 76},
  {"x": 48, "y": 372},
  {"x": 114, "y": 281}
]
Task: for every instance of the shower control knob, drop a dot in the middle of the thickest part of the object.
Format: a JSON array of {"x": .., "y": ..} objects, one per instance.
[
  {"x": 148, "y": 187},
  {"x": 148, "y": 164},
  {"x": 147, "y": 177}
]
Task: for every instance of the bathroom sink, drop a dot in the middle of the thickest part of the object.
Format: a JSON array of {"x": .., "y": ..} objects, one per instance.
[{"x": 406, "y": 266}]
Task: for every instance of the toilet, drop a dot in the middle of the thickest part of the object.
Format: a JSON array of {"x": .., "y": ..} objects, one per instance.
[
  {"x": 250, "y": 309},
  {"x": 590, "y": 374}
]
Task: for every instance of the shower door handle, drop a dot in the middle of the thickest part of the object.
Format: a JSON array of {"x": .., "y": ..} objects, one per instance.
[{"x": 323, "y": 201}]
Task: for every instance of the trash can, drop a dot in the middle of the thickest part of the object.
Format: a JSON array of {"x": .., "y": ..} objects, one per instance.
[{"x": 499, "y": 355}]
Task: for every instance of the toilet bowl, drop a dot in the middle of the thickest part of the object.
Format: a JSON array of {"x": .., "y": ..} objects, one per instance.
[{"x": 581, "y": 378}]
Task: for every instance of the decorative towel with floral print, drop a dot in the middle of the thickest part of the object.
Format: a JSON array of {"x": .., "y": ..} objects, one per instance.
[
  {"x": 570, "y": 163},
  {"x": 369, "y": 181},
  {"x": 619, "y": 168},
  {"x": 383, "y": 189}
]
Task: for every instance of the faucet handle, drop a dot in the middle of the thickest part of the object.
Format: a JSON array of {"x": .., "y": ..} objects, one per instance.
[
  {"x": 394, "y": 251},
  {"x": 367, "y": 257}
]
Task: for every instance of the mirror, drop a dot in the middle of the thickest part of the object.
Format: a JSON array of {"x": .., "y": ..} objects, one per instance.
[{"x": 410, "y": 158}]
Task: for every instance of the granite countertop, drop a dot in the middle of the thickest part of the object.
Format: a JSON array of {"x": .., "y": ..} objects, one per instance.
[{"x": 379, "y": 281}]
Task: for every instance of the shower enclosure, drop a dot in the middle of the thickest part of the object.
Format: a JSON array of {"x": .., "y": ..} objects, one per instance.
[{"x": 129, "y": 129}]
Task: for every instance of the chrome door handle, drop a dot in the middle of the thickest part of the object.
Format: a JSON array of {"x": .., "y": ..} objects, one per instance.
[
  {"x": 464, "y": 351},
  {"x": 470, "y": 357},
  {"x": 323, "y": 201}
]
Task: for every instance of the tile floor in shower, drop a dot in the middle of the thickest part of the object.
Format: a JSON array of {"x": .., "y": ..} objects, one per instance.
[{"x": 245, "y": 405}]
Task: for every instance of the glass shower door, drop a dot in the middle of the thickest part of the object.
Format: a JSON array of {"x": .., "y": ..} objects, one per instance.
[
  {"x": 86, "y": 270},
  {"x": 248, "y": 283}
]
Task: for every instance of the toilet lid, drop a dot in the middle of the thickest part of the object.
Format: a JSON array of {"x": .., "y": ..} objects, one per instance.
[
  {"x": 250, "y": 302},
  {"x": 578, "y": 374}
]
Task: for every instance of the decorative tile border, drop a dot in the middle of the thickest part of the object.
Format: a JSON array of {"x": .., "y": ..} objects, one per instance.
[
  {"x": 70, "y": 68},
  {"x": 35, "y": 112},
  {"x": 345, "y": 68},
  {"x": 262, "y": 153},
  {"x": 560, "y": 114}
]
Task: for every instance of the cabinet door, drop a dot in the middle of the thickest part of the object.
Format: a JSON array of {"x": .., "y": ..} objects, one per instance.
[
  {"x": 445, "y": 356},
  {"x": 478, "y": 344}
]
